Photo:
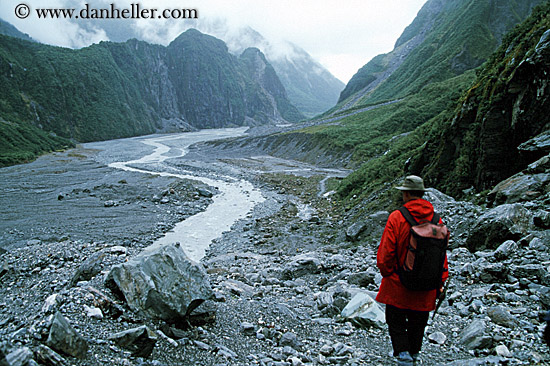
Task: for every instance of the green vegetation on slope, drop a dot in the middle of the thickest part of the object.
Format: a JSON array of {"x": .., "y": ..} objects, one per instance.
[
  {"x": 115, "y": 90},
  {"x": 506, "y": 105},
  {"x": 491, "y": 89},
  {"x": 21, "y": 143},
  {"x": 79, "y": 94},
  {"x": 383, "y": 139},
  {"x": 461, "y": 35}
]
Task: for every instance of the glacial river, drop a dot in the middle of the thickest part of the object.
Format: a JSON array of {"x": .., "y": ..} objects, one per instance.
[{"x": 236, "y": 198}]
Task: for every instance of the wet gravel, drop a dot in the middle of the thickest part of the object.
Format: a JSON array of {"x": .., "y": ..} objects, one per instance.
[{"x": 67, "y": 207}]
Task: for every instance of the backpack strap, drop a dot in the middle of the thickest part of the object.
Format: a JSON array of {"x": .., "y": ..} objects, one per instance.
[
  {"x": 407, "y": 215},
  {"x": 412, "y": 221}
]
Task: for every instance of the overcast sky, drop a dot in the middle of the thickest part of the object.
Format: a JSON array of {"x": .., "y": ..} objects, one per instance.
[{"x": 341, "y": 35}]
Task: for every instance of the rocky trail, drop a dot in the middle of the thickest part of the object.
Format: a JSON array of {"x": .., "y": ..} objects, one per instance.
[{"x": 277, "y": 285}]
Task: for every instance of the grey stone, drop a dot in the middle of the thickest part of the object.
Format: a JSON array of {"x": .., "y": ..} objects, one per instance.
[
  {"x": 140, "y": 341},
  {"x": 362, "y": 279},
  {"x": 502, "y": 316},
  {"x": 353, "y": 232},
  {"x": 204, "y": 193},
  {"x": 526, "y": 271},
  {"x": 226, "y": 352},
  {"x": 372, "y": 226},
  {"x": 437, "y": 337},
  {"x": 520, "y": 187},
  {"x": 363, "y": 311},
  {"x": 109, "y": 203},
  {"x": 326, "y": 350},
  {"x": 503, "y": 351},
  {"x": 65, "y": 339},
  {"x": 290, "y": 339},
  {"x": 301, "y": 265},
  {"x": 542, "y": 219},
  {"x": 324, "y": 299},
  {"x": 19, "y": 357},
  {"x": 505, "y": 222},
  {"x": 248, "y": 328},
  {"x": 538, "y": 143},
  {"x": 47, "y": 356},
  {"x": 162, "y": 283},
  {"x": 473, "y": 336},
  {"x": 50, "y": 304},
  {"x": 90, "y": 268},
  {"x": 238, "y": 288},
  {"x": 506, "y": 250}
]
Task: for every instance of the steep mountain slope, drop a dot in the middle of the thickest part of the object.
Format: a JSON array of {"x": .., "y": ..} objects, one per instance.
[
  {"x": 446, "y": 39},
  {"x": 309, "y": 85},
  {"x": 508, "y": 105},
  {"x": 9, "y": 30},
  {"x": 494, "y": 130},
  {"x": 386, "y": 141},
  {"x": 111, "y": 90}
]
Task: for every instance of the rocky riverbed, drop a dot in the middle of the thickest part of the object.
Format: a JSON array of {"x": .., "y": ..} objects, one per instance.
[{"x": 280, "y": 277}]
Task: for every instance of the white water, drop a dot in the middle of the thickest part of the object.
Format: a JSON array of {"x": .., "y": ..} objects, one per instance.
[{"x": 235, "y": 200}]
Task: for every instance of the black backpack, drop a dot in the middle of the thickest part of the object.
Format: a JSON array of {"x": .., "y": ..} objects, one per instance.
[{"x": 424, "y": 262}]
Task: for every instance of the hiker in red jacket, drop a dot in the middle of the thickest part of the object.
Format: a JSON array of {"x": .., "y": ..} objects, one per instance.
[{"x": 406, "y": 311}]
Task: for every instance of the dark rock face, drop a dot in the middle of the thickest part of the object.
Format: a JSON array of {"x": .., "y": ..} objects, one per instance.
[
  {"x": 500, "y": 128},
  {"x": 140, "y": 341},
  {"x": 64, "y": 338},
  {"x": 505, "y": 222},
  {"x": 192, "y": 83},
  {"x": 162, "y": 283}
]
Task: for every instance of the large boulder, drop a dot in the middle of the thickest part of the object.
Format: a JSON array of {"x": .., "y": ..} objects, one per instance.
[
  {"x": 505, "y": 222},
  {"x": 520, "y": 187},
  {"x": 162, "y": 283}
]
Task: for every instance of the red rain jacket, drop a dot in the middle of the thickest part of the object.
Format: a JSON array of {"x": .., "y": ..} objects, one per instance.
[{"x": 395, "y": 239}]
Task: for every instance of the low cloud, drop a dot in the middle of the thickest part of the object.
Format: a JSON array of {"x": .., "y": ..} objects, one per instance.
[{"x": 343, "y": 36}]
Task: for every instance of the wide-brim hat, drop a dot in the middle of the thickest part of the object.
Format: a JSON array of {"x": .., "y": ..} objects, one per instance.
[{"x": 412, "y": 183}]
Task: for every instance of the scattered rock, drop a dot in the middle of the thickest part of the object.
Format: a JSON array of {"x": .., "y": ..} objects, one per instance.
[
  {"x": 363, "y": 311},
  {"x": 437, "y": 337},
  {"x": 474, "y": 337},
  {"x": 90, "y": 268},
  {"x": 64, "y": 338},
  {"x": 45, "y": 355},
  {"x": 301, "y": 265},
  {"x": 20, "y": 357},
  {"x": 50, "y": 304},
  {"x": 140, "y": 341},
  {"x": 110, "y": 203}
]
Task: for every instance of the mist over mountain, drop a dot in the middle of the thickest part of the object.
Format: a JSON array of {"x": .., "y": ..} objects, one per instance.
[
  {"x": 459, "y": 101},
  {"x": 9, "y": 30},
  {"x": 310, "y": 86},
  {"x": 112, "y": 90},
  {"x": 446, "y": 39}
]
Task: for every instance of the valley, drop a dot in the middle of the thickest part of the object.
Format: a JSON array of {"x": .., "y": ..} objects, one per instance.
[{"x": 168, "y": 205}]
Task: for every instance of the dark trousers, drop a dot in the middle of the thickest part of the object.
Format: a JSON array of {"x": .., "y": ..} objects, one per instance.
[{"x": 406, "y": 329}]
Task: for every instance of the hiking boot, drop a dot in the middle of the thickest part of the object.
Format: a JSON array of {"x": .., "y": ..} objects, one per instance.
[
  {"x": 404, "y": 359},
  {"x": 416, "y": 359}
]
